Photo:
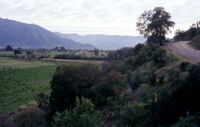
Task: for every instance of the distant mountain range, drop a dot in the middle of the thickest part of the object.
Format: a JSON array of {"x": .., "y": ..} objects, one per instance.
[
  {"x": 106, "y": 41},
  {"x": 24, "y": 35},
  {"x": 19, "y": 34}
]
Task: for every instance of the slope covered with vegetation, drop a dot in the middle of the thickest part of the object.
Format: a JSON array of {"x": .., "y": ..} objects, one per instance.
[
  {"x": 196, "y": 42},
  {"x": 144, "y": 86},
  {"x": 192, "y": 34}
]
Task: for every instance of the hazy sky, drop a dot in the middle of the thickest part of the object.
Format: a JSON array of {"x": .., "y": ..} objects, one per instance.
[{"x": 96, "y": 16}]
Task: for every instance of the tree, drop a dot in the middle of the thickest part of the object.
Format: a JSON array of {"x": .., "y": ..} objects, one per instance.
[
  {"x": 9, "y": 48},
  {"x": 70, "y": 82},
  {"x": 155, "y": 24},
  {"x": 96, "y": 52},
  {"x": 17, "y": 51},
  {"x": 29, "y": 53}
]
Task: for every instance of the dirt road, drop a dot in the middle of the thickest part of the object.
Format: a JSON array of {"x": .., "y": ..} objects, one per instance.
[{"x": 184, "y": 50}]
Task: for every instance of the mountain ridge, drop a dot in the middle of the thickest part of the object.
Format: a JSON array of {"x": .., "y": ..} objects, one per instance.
[
  {"x": 20, "y": 34},
  {"x": 102, "y": 41}
]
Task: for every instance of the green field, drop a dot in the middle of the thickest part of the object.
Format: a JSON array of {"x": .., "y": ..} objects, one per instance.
[
  {"x": 16, "y": 63},
  {"x": 20, "y": 81}
]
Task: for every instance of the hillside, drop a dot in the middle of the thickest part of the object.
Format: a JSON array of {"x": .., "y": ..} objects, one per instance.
[
  {"x": 33, "y": 36},
  {"x": 196, "y": 42},
  {"x": 106, "y": 41}
]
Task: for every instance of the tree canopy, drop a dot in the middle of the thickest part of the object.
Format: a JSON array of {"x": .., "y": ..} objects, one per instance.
[{"x": 155, "y": 24}]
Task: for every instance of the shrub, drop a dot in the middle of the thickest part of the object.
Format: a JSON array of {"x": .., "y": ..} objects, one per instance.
[
  {"x": 71, "y": 81},
  {"x": 85, "y": 80},
  {"x": 183, "y": 66},
  {"x": 9, "y": 48},
  {"x": 189, "y": 121},
  {"x": 183, "y": 99},
  {"x": 82, "y": 115},
  {"x": 28, "y": 116},
  {"x": 43, "y": 100},
  {"x": 134, "y": 116}
]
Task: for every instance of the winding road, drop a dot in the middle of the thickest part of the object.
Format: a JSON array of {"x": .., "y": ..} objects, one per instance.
[{"x": 183, "y": 49}]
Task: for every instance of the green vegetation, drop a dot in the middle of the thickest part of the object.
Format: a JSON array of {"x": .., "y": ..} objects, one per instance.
[
  {"x": 20, "y": 86},
  {"x": 144, "y": 86},
  {"x": 192, "y": 34},
  {"x": 19, "y": 63},
  {"x": 155, "y": 24},
  {"x": 196, "y": 42},
  {"x": 189, "y": 34},
  {"x": 82, "y": 115},
  {"x": 22, "y": 79},
  {"x": 79, "y": 57}
]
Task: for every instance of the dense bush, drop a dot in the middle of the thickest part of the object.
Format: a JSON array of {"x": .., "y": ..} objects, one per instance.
[
  {"x": 28, "y": 116},
  {"x": 151, "y": 53},
  {"x": 196, "y": 42},
  {"x": 9, "y": 48},
  {"x": 182, "y": 100},
  {"x": 82, "y": 115},
  {"x": 134, "y": 116},
  {"x": 189, "y": 34},
  {"x": 189, "y": 121},
  {"x": 78, "y": 57},
  {"x": 85, "y": 80},
  {"x": 125, "y": 52},
  {"x": 71, "y": 81},
  {"x": 43, "y": 100}
]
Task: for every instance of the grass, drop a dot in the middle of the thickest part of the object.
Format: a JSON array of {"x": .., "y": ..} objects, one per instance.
[
  {"x": 16, "y": 63},
  {"x": 21, "y": 81},
  {"x": 20, "y": 86},
  {"x": 6, "y": 53}
]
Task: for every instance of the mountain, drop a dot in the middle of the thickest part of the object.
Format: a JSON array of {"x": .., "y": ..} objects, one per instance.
[
  {"x": 19, "y": 34},
  {"x": 106, "y": 41}
]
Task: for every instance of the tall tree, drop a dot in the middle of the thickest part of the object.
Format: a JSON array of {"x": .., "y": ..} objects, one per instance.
[{"x": 155, "y": 24}]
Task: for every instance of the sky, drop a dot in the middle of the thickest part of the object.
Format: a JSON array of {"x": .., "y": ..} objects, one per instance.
[{"x": 113, "y": 17}]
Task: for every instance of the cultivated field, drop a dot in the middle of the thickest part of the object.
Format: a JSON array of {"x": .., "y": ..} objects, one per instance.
[{"x": 22, "y": 80}]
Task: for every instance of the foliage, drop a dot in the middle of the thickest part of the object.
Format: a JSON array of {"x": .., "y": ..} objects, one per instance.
[
  {"x": 155, "y": 24},
  {"x": 150, "y": 53},
  {"x": 96, "y": 52},
  {"x": 189, "y": 121},
  {"x": 135, "y": 79},
  {"x": 17, "y": 51},
  {"x": 78, "y": 57},
  {"x": 9, "y": 48},
  {"x": 196, "y": 41},
  {"x": 125, "y": 52},
  {"x": 28, "y": 116},
  {"x": 133, "y": 116},
  {"x": 85, "y": 80},
  {"x": 182, "y": 100},
  {"x": 189, "y": 34},
  {"x": 43, "y": 100},
  {"x": 183, "y": 66},
  {"x": 71, "y": 81},
  {"x": 82, "y": 115}
]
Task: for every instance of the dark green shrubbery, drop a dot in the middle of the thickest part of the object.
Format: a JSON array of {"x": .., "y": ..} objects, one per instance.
[
  {"x": 82, "y": 115},
  {"x": 71, "y": 81},
  {"x": 85, "y": 80},
  {"x": 78, "y": 57},
  {"x": 182, "y": 100},
  {"x": 151, "y": 53},
  {"x": 189, "y": 34},
  {"x": 189, "y": 121}
]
